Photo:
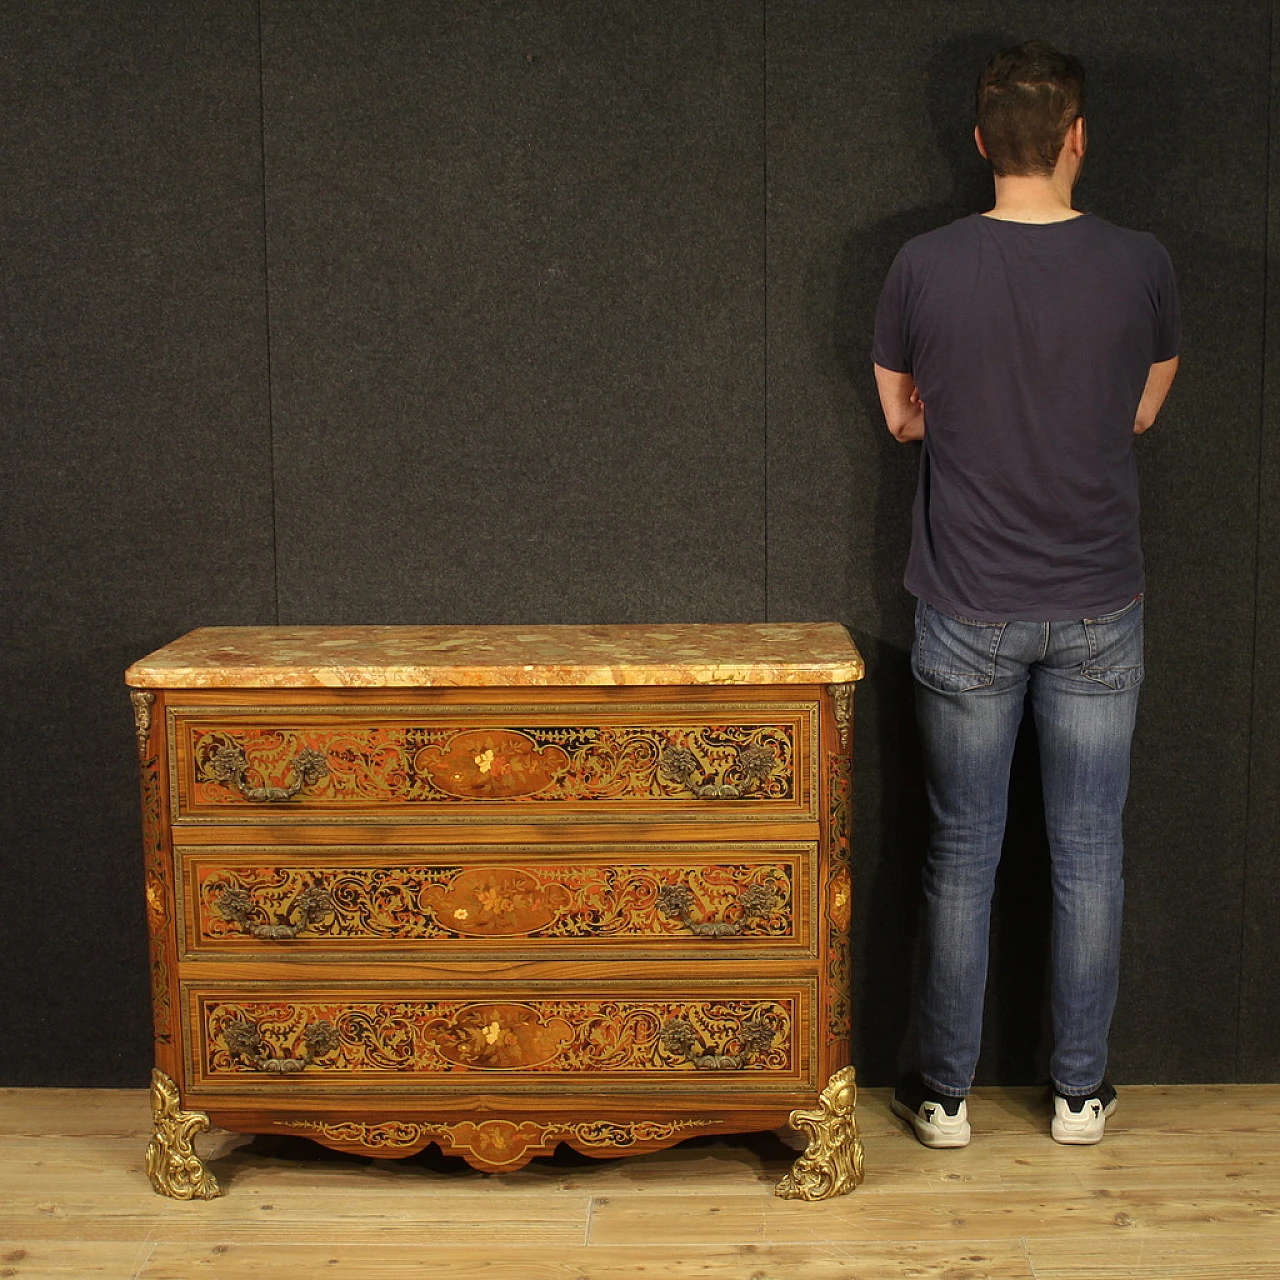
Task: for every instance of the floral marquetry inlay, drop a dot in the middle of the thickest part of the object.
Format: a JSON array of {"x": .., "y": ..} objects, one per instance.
[
  {"x": 492, "y": 764},
  {"x": 494, "y": 902}
]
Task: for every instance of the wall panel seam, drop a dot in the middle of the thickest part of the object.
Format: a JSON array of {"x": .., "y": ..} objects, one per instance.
[
  {"x": 266, "y": 306},
  {"x": 764, "y": 297},
  {"x": 1251, "y": 824}
]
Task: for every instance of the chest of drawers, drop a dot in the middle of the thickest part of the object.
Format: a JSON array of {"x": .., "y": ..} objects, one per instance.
[{"x": 498, "y": 888}]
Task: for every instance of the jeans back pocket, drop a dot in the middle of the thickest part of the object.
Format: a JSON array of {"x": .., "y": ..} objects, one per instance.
[
  {"x": 954, "y": 655},
  {"x": 1114, "y": 643}
]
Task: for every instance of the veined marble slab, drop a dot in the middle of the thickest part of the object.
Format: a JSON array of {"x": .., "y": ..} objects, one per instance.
[{"x": 683, "y": 653}]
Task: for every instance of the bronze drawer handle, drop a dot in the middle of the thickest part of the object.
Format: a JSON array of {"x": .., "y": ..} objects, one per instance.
[
  {"x": 245, "y": 1041},
  {"x": 756, "y": 901},
  {"x": 236, "y": 906},
  {"x": 679, "y": 1036},
  {"x": 228, "y": 765},
  {"x": 754, "y": 764}
]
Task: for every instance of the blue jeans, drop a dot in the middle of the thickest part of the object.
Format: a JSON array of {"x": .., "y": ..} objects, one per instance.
[{"x": 972, "y": 682}]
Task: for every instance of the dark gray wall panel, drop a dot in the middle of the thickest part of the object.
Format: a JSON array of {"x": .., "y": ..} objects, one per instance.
[
  {"x": 516, "y": 281},
  {"x": 1193, "y": 152},
  {"x": 870, "y": 143},
  {"x": 1260, "y": 991},
  {"x": 137, "y": 484}
]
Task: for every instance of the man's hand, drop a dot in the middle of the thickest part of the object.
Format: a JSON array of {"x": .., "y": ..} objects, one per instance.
[
  {"x": 900, "y": 400},
  {"x": 1159, "y": 380}
]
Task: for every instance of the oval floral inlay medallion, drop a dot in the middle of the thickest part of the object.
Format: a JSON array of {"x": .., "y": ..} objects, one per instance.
[
  {"x": 840, "y": 900},
  {"x": 498, "y": 1037},
  {"x": 484, "y": 764},
  {"x": 494, "y": 901}
]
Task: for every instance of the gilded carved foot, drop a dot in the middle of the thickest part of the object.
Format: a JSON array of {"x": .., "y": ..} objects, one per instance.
[
  {"x": 172, "y": 1164},
  {"x": 832, "y": 1162}
]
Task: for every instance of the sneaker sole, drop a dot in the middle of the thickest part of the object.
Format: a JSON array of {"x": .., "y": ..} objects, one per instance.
[
  {"x": 930, "y": 1135},
  {"x": 1081, "y": 1133}
]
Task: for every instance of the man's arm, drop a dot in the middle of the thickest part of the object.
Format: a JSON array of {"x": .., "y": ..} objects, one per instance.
[
  {"x": 1159, "y": 380},
  {"x": 900, "y": 400}
]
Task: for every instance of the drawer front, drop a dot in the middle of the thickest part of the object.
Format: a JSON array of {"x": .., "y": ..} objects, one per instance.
[
  {"x": 696, "y": 900},
  {"x": 679, "y": 1036},
  {"x": 518, "y": 764}
]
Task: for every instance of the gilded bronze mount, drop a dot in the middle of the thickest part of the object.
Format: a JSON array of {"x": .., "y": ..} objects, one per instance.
[
  {"x": 172, "y": 1164},
  {"x": 831, "y": 1164}
]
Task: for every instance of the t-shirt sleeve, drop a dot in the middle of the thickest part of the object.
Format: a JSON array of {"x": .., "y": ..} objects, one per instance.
[
  {"x": 1168, "y": 315},
  {"x": 889, "y": 349}
]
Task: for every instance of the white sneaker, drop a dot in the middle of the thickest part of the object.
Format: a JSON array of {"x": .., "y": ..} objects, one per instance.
[
  {"x": 938, "y": 1122},
  {"x": 1080, "y": 1122}
]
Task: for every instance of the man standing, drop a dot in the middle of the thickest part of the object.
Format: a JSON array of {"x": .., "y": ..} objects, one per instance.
[{"x": 1025, "y": 347}]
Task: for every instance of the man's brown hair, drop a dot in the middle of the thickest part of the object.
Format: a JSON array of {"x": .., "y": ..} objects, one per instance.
[{"x": 1028, "y": 97}]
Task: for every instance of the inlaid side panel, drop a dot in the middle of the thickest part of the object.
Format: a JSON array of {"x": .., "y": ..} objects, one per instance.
[
  {"x": 697, "y": 900},
  {"x": 837, "y": 904},
  {"x": 157, "y": 863}
]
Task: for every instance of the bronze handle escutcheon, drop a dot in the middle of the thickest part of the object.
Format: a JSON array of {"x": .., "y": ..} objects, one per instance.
[
  {"x": 228, "y": 765},
  {"x": 756, "y": 902},
  {"x": 236, "y": 906},
  {"x": 679, "y": 1036},
  {"x": 245, "y": 1042},
  {"x": 754, "y": 765}
]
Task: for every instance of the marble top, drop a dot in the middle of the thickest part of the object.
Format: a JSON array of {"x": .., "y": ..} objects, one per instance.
[{"x": 683, "y": 653}]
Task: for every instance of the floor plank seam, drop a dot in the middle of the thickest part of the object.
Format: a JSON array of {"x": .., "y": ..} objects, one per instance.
[
  {"x": 1024, "y": 1245},
  {"x": 147, "y": 1252}
]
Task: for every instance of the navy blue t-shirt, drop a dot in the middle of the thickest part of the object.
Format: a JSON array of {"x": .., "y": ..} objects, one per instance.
[{"x": 1030, "y": 344}]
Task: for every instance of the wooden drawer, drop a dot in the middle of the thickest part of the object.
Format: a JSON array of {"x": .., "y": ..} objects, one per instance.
[
  {"x": 696, "y": 900},
  {"x": 700, "y": 1033},
  {"x": 423, "y": 764}
]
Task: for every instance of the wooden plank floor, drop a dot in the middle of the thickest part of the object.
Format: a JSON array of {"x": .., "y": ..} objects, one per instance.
[{"x": 1186, "y": 1186}]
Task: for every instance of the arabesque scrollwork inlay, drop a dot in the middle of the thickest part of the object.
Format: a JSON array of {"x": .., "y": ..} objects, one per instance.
[
  {"x": 499, "y": 1142},
  {"x": 566, "y": 901},
  {"x": 409, "y": 764},
  {"x": 534, "y": 1037}
]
